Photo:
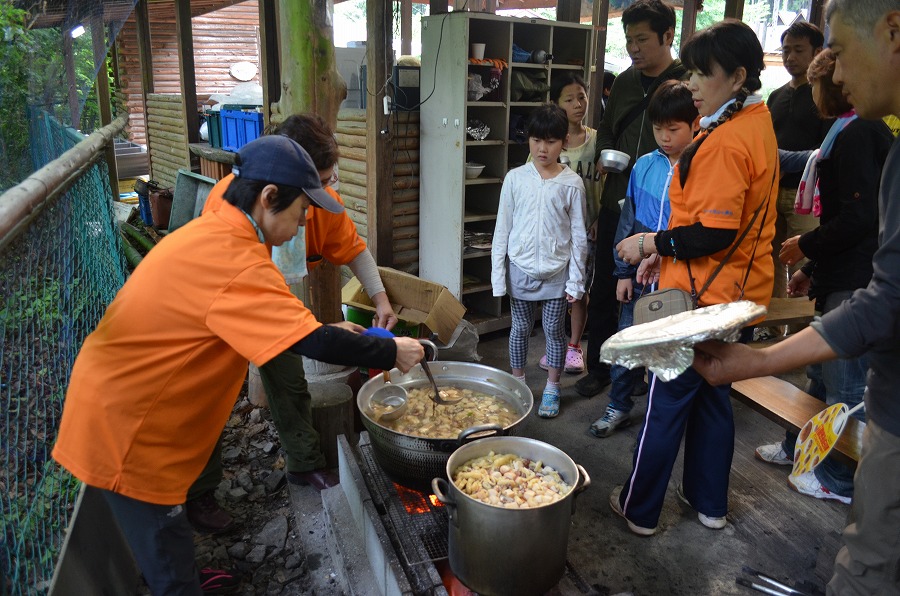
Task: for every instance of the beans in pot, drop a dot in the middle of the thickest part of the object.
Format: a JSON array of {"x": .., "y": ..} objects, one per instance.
[
  {"x": 510, "y": 481},
  {"x": 425, "y": 419}
]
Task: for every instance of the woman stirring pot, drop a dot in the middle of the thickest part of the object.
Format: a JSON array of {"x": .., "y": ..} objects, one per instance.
[{"x": 720, "y": 196}]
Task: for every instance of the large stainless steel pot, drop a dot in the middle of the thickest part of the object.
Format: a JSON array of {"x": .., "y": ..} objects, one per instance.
[
  {"x": 509, "y": 551},
  {"x": 414, "y": 461}
]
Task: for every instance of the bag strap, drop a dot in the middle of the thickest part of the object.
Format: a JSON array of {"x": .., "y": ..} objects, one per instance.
[
  {"x": 632, "y": 114},
  {"x": 695, "y": 296}
]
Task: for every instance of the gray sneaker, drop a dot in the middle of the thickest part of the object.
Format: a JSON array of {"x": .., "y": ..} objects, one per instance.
[{"x": 609, "y": 422}]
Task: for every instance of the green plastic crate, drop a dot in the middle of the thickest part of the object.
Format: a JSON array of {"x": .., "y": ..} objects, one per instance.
[{"x": 214, "y": 128}]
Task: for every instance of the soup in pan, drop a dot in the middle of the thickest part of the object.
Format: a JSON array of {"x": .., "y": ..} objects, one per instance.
[{"x": 425, "y": 419}]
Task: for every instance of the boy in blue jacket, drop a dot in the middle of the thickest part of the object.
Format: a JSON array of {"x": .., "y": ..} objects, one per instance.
[{"x": 646, "y": 209}]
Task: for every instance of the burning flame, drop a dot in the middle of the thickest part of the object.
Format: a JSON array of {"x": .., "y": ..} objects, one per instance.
[{"x": 416, "y": 502}]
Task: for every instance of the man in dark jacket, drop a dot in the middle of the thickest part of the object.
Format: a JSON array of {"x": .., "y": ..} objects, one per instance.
[{"x": 649, "y": 31}]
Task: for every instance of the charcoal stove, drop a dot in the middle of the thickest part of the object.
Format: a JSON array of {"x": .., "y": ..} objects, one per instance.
[{"x": 411, "y": 526}]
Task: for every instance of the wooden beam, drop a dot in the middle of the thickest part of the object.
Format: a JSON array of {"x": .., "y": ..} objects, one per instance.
[
  {"x": 438, "y": 6},
  {"x": 185, "y": 36},
  {"x": 98, "y": 39},
  {"x": 688, "y": 20},
  {"x": 734, "y": 9},
  {"x": 406, "y": 27},
  {"x": 379, "y": 157},
  {"x": 568, "y": 11},
  {"x": 270, "y": 73},
  {"x": 599, "y": 21}
]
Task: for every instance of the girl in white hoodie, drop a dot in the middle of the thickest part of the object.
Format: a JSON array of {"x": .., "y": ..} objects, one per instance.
[{"x": 539, "y": 246}]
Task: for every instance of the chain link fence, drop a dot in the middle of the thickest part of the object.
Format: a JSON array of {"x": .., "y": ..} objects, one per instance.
[{"x": 57, "y": 275}]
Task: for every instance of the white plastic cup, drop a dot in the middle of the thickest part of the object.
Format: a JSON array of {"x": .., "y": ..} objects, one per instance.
[{"x": 478, "y": 51}]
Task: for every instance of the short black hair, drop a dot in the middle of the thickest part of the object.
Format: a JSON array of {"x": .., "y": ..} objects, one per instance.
[
  {"x": 807, "y": 30},
  {"x": 672, "y": 102},
  {"x": 569, "y": 77},
  {"x": 547, "y": 122},
  {"x": 608, "y": 79},
  {"x": 658, "y": 14},
  {"x": 243, "y": 192},
  {"x": 730, "y": 44}
]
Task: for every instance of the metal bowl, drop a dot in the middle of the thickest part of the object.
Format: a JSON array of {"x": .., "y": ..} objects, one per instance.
[
  {"x": 415, "y": 461},
  {"x": 614, "y": 161}
]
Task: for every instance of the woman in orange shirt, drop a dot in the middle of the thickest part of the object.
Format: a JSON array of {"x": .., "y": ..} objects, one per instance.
[
  {"x": 203, "y": 303},
  {"x": 722, "y": 180}
]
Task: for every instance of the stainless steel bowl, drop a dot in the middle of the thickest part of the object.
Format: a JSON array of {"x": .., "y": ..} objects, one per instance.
[{"x": 415, "y": 461}]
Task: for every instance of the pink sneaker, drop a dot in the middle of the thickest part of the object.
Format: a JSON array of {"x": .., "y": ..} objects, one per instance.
[
  {"x": 543, "y": 363},
  {"x": 574, "y": 361}
]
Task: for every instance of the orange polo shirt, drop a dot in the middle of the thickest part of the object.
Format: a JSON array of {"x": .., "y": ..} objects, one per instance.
[
  {"x": 329, "y": 235},
  {"x": 731, "y": 174},
  {"x": 154, "y": 384}
]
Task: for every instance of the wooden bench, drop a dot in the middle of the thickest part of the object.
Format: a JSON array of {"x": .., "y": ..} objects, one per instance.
[
  {"x": 782, "y": 403},
  {"x": 789, "y": 311}
]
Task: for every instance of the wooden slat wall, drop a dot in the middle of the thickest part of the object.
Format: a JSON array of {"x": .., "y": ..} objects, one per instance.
[
  {"x": 351, "y": 137},
  {"x": 167, "y": 139},
  {"x": 221, "y": 38}
]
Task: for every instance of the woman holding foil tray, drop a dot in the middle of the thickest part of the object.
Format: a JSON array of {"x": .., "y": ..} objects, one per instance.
[{"x": 720, "y": 196}]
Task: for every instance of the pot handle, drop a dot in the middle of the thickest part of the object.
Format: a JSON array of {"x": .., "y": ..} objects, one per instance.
[
  {"x": 440, "y": 488},
  {"x": 463, "y": 436},
  {"x": 431, "y": 350},
  {"x": 584, "y": 481}
]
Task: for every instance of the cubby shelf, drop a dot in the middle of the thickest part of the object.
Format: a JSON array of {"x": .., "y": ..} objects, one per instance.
[{"x": 452, "y": 206}]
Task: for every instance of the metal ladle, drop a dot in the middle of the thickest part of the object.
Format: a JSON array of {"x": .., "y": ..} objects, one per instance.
[{"x": 437, "y": 399}]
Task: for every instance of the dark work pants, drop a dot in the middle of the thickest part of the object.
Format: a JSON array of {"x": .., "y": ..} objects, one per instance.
[
  {"x": 162, "y": 542},
  {"x": 603, "y": 308},
  {"x": 291, "y": 407}
]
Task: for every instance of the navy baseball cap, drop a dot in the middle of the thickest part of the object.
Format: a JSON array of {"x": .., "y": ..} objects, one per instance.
[{"x": 279, "y": 160}]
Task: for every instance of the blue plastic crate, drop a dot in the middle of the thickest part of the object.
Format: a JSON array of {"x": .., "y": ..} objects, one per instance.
[{"x": 239, "y": 128}]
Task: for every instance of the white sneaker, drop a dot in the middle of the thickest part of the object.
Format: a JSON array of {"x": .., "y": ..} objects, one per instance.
[
  {"x": 713, "y": 523},
  {"x": 773, "y": 454},
  {"x": 614, "y": 505},
  {"x": 808, "y": 484}
]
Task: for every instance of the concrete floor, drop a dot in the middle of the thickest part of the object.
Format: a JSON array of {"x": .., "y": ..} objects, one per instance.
[
  {"x": 785, "y": 535},
  {"x": 789, "y": 537}
]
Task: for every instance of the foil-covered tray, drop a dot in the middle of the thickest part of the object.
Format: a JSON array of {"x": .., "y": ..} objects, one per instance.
[{"x": 666, "y": 346}]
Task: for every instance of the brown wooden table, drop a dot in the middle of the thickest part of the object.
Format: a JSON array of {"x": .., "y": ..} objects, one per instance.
[{"x": 789, "y": 311}]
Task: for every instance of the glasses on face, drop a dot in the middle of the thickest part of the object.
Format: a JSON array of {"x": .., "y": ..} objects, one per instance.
[{"x": 330, "y": 180}]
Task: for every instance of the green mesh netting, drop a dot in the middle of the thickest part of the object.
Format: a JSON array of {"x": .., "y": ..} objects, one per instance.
[{"x": 56, "y": 279}]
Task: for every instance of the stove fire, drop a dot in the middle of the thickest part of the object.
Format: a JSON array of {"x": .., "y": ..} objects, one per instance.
[{"x": 416, "y": 502}]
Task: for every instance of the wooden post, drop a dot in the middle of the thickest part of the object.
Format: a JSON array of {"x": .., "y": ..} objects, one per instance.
[
  {"x": 688, "y": 20},
  {"x": 599, "y": 22},
  {"x": 406, "y": 27},
  {"x": 98, "y": 39},
  {"x": 186, "y": 70},
  {"x": 142, "y": 23},
  {"x": 734, "y": 9},
  {"x": 69, "y": 60},
  {"x": 817, "y": 14},
  {"x": 379, "y": 157},
  {"x": 569, "y": 11},
  {"x": 270, "y": 72}
]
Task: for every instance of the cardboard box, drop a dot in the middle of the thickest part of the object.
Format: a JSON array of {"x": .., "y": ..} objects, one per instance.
[{"x": 417, "y": 302}]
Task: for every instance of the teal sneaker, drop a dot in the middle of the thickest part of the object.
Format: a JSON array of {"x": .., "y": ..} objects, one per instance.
[{"x": 549, "y": 403}]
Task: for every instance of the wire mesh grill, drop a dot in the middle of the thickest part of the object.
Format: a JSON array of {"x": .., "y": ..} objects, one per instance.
[{"x": 420, "y": 519}]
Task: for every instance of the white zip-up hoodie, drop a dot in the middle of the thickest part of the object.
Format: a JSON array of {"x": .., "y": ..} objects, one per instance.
[{"x": 540, "y": 227}]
